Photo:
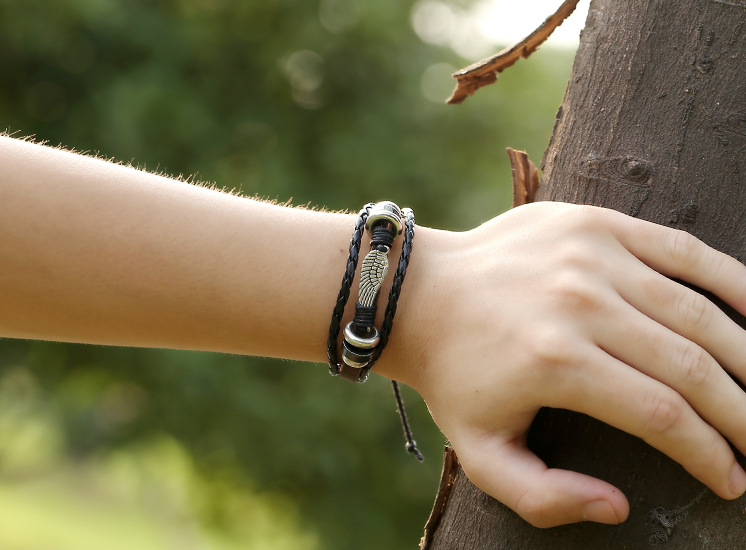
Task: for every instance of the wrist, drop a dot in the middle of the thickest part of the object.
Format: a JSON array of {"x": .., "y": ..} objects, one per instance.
[{"x": 416, "y": 326}]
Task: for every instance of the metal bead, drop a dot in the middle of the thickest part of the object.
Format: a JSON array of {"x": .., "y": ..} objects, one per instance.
[
  {"x": 385, "y": 211},
  {"x": 355, "y": 357},
  {"x": 361, "y": 341},
  {"x": 358, "y": 350}
]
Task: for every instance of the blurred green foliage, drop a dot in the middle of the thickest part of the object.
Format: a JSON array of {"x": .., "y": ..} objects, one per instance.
[{"x": 329, "y": 102}]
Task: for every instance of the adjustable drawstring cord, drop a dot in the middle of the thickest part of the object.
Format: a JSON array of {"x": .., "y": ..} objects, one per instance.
[{"x": 411, "y": 443}]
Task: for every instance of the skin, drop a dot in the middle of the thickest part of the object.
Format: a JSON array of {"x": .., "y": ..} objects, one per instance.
[{"x": 533, "y": 308}]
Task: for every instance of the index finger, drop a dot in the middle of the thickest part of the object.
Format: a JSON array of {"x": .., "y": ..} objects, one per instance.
[
  {"x": 676, "y": 253},
  {"x": 504, "y": 467}
]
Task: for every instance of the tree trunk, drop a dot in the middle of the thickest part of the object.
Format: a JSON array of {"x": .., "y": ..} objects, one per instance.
[{"x": 653, "y": 124}]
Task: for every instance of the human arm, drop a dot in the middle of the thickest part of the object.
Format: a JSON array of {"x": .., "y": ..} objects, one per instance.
[
  {"x": 525, "y": 311},
  {"x": 102, "y": 253}
]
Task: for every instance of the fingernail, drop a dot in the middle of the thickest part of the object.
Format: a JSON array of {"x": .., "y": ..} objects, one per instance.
[
  {"x": 737, "y": 482},
  {"x": 599, "y": 511}
]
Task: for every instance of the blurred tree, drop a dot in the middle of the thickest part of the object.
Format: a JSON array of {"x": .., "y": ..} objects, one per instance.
[{"x": 330, "y": 102}]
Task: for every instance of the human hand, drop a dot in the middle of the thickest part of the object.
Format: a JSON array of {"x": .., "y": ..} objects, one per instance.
[{"x": 537, "y": 308}]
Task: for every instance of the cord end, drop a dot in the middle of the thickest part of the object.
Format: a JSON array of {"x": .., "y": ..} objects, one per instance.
[{"x": 411, "y": 447}]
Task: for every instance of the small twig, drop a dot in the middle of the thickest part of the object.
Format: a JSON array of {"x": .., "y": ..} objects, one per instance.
[{"x": 484, "y": 72}]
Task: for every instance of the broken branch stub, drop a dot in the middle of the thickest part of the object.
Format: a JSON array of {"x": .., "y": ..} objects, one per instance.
[
  {"x": 484, "y": 72},
  {"x": 525, "y": 177}
]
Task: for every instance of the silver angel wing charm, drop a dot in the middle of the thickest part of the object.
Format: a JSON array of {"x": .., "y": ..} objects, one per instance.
[{"x": 372, "y": 274}]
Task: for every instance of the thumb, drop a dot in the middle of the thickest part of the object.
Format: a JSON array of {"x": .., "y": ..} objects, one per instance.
[{"x": 545, "y": 497}]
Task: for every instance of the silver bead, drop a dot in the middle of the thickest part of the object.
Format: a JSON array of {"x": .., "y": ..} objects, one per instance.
[
  {"x": 387, "y": 211},
  {"x": 355, "y": 358},
  {"x": 358, "y": 350},
  {"x": 361, "y": 341}
]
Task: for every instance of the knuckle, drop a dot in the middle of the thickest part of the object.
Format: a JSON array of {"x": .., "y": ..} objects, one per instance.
[
  {"x": 695, "y": 365},
  {"x": 575, "y": 294},
  {"x": 552, "y": 348},
  {"x": 682, "y": 247},
  {"x": 717, "y": 262},
  {"x": 586, "y": 217},
  {"x": 533, "y": 508},
  {"x": 575, "y": 253},
  {"x": 695, "y": 311},
  {"x": 664, "y": 412}
]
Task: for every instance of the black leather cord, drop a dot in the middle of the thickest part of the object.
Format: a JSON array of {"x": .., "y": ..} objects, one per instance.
[
  {"x": 344, "y": 291},
  {"x": 411, "y": 445}
]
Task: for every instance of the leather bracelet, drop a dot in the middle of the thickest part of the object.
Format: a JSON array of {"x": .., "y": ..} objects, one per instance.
[
  {"x": 388, "y": 318},
  {"x": 363, "y": 344},
  {"x": 386, "y": 214},
  {"x": 361, "y": 338}
]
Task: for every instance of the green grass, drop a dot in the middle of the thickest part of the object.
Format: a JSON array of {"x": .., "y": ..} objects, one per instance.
[{"x": 144, "y": 500}]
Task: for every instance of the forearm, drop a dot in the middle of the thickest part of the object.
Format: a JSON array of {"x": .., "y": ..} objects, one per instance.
[{"x": 101, "y": 253}]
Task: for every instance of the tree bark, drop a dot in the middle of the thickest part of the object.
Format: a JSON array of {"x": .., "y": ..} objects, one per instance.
[{"x": 653, "y": 124}]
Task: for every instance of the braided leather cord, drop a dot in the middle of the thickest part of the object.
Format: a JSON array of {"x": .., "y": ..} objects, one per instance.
[{"x": 344, "y": 291}]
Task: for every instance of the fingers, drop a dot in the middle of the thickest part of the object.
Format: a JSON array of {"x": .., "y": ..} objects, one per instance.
[
  {"x": 545, "y": 497},
  {"x": 637, "y": 404},
  {"x": 683, "y": 366},
  {"x": 605, "y": 388},
  {"x": 687, "y": 313},
  {"x": 678, "y": 254}
]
